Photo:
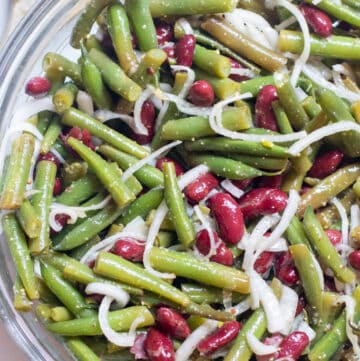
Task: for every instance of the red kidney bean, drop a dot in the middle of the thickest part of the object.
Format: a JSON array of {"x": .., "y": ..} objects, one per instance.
[
  {"x": 148, "y": 116},
  {"x": 164, "y": 33},
  {"x": 201, "y": 94},
  {"x": 221, "y": 337},
  {"x": 169, "y": 50},
  {"x": 61, "y": 219},
  {"x": 228, "y": 216},
  {"x": 50, "y": 157},
  {"x": 223, "y": 254},
  {"x": 201, "y": 187},
  {"x": 269, "y": 182},
  {"x": 318, "y": 20},
  {"x": 237, "y": 77},
  {"x": 172, "y": 323},
  {"x": 264, "y": 114},
  {"x": 83, "y": 135},
  {"x": 129, "y": 249},
  {"x": 274, "y": 340},
  {"x": 179, "y": 170},
  {"x": 57, "y": 187},
  {"x": 301, "y": 305},
  {"x": 293, "y": 345},
  {"x": 285, "y": 269},
  {"x": 354, "y": 259},
  {"x": 37, "y": 86},
  {"x": 242, "y": 184},
  {"x": 262, "y": 201},
  {"x": 184, "y": 50},
  {"x": 326, "y": 164},
  {"x": 158, "y": 346},
  {"x": 264, "y": 262},
  {"x": 138, "y": 348},
  {"x": 334, "y": 236}
]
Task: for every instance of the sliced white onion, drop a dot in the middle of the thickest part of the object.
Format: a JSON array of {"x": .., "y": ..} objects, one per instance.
[
  {"x": 85, "y": 102},
  {"x": 286, "y": 23},
  {"x": 57, "y": 155},
  {"x": 304, "y": 327},
  {"x": 242, "y": 72},
  {"x": 104, "y": 115},
  {"x": 116, "y": 292},
  {"x": 300, "y": 94},
  {"x": 344, "y": 220},
  {"x": 138, "y": 124},
  {"x": 318, "y": 270},
  {"x": 189, "y": 81},
  {"x": 135, "y": 167},
  {"x": 191, "y": 175},
  {"x": 231, "y": 188},
  {"x": 241, "y": 307},
  {"x": 184, "y": 352},
  {"x": 288, "y": 304},
  {"x": 279, "y": 246},
  {"x": 161, "y": 114},
  {"x": 185, "y": 26},
  {"x": 321, "y": 133},
  {"x": 354, "y": 216},
  {"x": 258, "y": 347},
  {"x": 227, "y": 299}
]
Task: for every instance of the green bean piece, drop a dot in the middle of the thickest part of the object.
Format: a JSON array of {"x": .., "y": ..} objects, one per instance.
[
  {"x": 282, "y": 119},
  {"x": 20, "y": 254},
  {"x": 212, "y": 62},
  {"x": 81, "y": 350},
  {"x": 339, "y": 47},
  {"x": 175, "y": 202},
  {"x": 115, "y": 267},
  {"x": 323, "y": 247},
  {"x": 253, "y": 86},
  {"x": 43, "y": 312},
  {"x": 52, "y": 133},
  {"x": 209, "y": 273},
  {"x": 148, "y": 175},
  {"x": 60, "y": 148},
  {"x": 60, "y": 313},
  {"x": 21, "y": 301},
  {"x": 43, "y": 120},
  {"x": 93, "y": 81},
  {"x": 166, "y": 225},
  {"x": 309, "y": 276},
  {"x": 91, "y": 41},
  {"x": 217, "y": 144},
  {"x": 65, "y": 291},
  {"x": 41, "y": 201},
  {"x": 223, "y": 31},
  {"x": 352, "y": 3},
  {"x": 142, "y": 23},
  {"x": 120, "y": 320},
  {"x": 79, "y": 190},
  {"x": 85, "y": 22},
  {"x": 256, "y": 325},
  {"x": 73, "y": 171},
  {"x": 295, "y": 233},
  {"x": 311, "y": 107},
  {"x": 64, "y": 97},
  {"x": 276, "y": 165},
  {"x": 197, "y": 127},
  {"x": 17, "y": 172},
  {"x": 57, "y": 66},
  {"x": 329, "y": 187},
  {"x": 28, "y": 219},
  {"x": 114, "y": 76},
  {"x": 119, "y": 30},
  {"x": 160, "y": 8},
  {"x": 76, "y": 118}
]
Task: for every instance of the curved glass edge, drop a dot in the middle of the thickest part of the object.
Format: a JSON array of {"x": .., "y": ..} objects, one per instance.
[{"x": 44, "y": 29}]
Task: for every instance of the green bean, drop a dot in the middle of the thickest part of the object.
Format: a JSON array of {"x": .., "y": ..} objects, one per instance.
[
  {"x": 93, "y": 82},
  {"x": 28, "y": 219},
  {"x": 60, "y": 148},
  {"x": 119, "y": 30},
  {"x": 43, "y": 120},
  {"x": 65, "y": 96},
  {"x": 256, "y": 325},
  {"x": 120, "y": 320},
  {"x": 339, "y": 47},
  {"x": 282, "y": 119},
  {"x": 74, "y": 171},
  {"x": 209, "y": 273},
  {"x": 142, "y": 206},
  {"x": 76, "y": 118},
  {"x": 174, "y": 200},
  {"x": 329, "y": 187},
  {"x": 197, "y": 127},
  {"x": 43, "y": 312},
  {"x": 81, "y": 350},
  {"x": 78, "y": 252},
  {"x": 20, "y": 254},
  {"x": 240, "y": 43},
  {"x": 160, "y": 8},
  {"x": 65, "y": 291},
  {"x": 52, "y": 133},
  {"x": 295, "y": 233},
  {"x": 323, "y": 247},
  {"x": 115, "y": 267},
  {"x": 21, "y": 301},
  {"x": 253, "y": 86},
  {"x": 60, "y": 313},
  {"x": 142, "y": 23},
  {"x": 41, "y": 201},
  {"x": 217, "y": 144},
  {"x": 114, "y": 76},
  {"x": 17, "y": 172},
  {"x": 57, "y": 66},
  {"x": 84, "y": 24},
  {"x": 91, "y": 41},
  {"x": 166, "y": 225},
  {"x": 311, "y": 107},
  {"x": 352, "y": 3}
]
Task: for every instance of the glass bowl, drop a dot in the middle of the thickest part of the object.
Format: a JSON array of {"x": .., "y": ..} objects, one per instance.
[{"x": 46, "y": 28}]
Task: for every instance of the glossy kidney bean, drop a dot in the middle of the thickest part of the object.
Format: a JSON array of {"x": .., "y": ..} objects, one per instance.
[
  {"x": 285, "y": 269},
  {"x": 264, "y": 114},
  {"x": 201, "y": 187},
  {"x": 179, "y": 170},
  {"x": 237, "y": 77},
  {"x": 61, "y": 219},
  {"x": 274, "y": 340},
  {"x": 57, "y": 187},
  {"x": 223, "y": 254},
  {"x": 138, "y": 348},
  {"x": 334, "y": 236},
  {"x": 301, "y": 305},
  {"x": 242, "y": 184},
  {"x": 354, "y": 259},
  {"x": 201, "y": 94},
  {"x": 37, "y": 86},
  {"x": 326, "y": 164},
  {"x": 262, "y": 201},
  {"x": 158, "y": 346},
  {"x": 228, "y": 216},
  {"x": 83, "y": 135},
  {"x": 164, "y": 33},
  {"x": 184, "y": 50},
  {"x": 221, "y": 337},
  {"x": 129, "y": 249},
  {"x": 169, "y": 49},
  {"x": 172, "y": 323},
  {"x": 148, "y": 116},
  {"x": 264, "y": 262},
  {"x": 318, "y": 20},
  {"x": 269, "y": 182},
  {"x": 293, "y": 345},
  {"x": 50, "y": 157}
]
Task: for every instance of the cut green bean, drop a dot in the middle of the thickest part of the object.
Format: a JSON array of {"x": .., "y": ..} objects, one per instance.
[
  {"x": 282, "y": 119},
  {"x": 21, "y": 301},
  {"x": 28, "y": 219},
  {"x": 64, "y": 97},
  {"x": 60, "y": 313},
  {"x": 295, "y": 233},
  {"x": 311, "y": 107},
  {"x": 81, "y": 350},
  {"x": 52, "y": 133}
]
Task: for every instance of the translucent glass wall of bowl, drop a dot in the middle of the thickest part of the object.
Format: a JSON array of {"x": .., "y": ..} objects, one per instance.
[{"x": 46, "y": 28}]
